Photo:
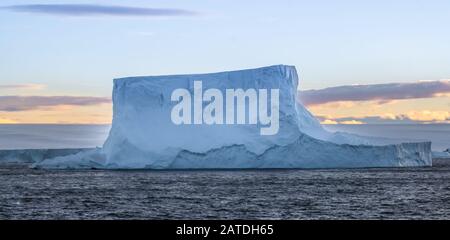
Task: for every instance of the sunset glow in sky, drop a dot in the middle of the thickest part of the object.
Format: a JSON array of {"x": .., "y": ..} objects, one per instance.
[{"x": 359, "y": 61}]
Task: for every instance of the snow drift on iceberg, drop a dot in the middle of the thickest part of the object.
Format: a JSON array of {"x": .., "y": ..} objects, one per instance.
[{"x": 143, "y": 136}]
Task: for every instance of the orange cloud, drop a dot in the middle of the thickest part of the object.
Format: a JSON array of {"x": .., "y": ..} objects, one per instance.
[
  {"x": 351, "y": 122},
  {"x": 6, "y": 121},
  {"x": 332, "y": 122},
  {"x": 96, "y": 114},
  {"x": 329, "y": 121},
  {"x": 428, "y": 116}
]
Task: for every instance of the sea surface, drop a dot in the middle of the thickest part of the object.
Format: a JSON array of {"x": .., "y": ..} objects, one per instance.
[
  {"x": 385, "y": 193},
  {"x": 50, "y": 136},
  {"x": 406, "y": 193}
]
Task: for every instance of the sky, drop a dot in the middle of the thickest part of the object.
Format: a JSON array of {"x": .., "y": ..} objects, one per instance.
[{"x": 359, "y": 62}]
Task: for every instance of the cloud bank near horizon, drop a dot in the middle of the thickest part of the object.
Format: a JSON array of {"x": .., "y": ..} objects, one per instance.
[
  {"x": 26, "y": 103},
  {"x": 97, "y": 10},
  {"x": 381, "y": 93},
  {"x": 411, "y": 117},
  {"x": 28, "y": 86}
]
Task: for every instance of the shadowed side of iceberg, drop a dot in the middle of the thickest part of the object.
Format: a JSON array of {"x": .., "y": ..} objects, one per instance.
[{"x": 305, "y": 152}]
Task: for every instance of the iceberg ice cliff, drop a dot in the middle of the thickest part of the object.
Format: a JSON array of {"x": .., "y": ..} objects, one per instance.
[{"x": 143, "y": 136}]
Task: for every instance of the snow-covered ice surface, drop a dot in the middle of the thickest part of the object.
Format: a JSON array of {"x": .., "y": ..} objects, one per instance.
[{"x": 143, "y": 136}]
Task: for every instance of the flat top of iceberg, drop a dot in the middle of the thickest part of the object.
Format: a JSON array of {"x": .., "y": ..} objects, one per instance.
[{"x": 259, "y": 69}]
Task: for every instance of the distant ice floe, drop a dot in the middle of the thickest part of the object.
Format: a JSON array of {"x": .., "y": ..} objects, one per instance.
[{"x": 444, "y": 154}]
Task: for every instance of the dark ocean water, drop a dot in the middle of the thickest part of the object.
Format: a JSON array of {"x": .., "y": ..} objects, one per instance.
[{"x": 407, "y": 193}]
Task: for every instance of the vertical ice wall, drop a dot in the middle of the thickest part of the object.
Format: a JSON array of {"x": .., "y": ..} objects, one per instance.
[{"x": 143, "y": 135}]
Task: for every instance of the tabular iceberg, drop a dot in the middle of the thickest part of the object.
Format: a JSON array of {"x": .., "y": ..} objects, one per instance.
[{"x": 143, "y": 136}]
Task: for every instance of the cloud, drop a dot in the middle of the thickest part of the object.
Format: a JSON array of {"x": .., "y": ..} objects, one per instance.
[
  {"x": 354, "y": 122},
  {"x": 345, "y": 120},
  {"x": 382, "y": 93},
  {"x": 25, "y": 103},
  {"x": 6, "y": 121},
  {"x": 30, "y": 86},
  {"x": 97, "y": 10},
  {"x": 425, "y": 116},
  {"x": 328, "y": 121}
]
